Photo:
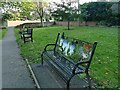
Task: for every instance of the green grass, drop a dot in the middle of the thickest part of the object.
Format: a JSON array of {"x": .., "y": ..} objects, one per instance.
[
  {"x": 104, "y": 67},
  {"x": 2, "y": 33}
]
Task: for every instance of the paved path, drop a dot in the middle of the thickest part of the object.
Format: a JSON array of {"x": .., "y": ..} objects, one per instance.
[
  {"x": 47, "y": 78},
  {"x": 15, "y": 74}
]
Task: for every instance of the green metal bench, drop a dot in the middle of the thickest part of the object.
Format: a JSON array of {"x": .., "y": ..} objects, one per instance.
[
  {"x": 26, "y": 34},
  {"x": 69, "y": 57}
]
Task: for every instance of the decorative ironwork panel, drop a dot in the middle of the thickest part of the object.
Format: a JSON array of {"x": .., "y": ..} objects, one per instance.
[{"x": 75, "y": 49}]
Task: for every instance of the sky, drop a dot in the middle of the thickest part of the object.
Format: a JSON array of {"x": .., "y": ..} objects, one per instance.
[
  {"x": 85, "y": 1},
  {"x": 80, "y": 1}
]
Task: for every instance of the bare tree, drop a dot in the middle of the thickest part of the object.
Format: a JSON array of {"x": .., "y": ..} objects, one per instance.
[{"x": 40, "y": 7}]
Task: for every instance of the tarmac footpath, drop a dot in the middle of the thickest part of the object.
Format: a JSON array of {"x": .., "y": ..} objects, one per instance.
[{"x": 15, "y": 73}]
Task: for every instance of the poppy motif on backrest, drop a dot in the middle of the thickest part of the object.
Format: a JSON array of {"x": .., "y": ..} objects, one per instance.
[{"x": 87, "y": 48}]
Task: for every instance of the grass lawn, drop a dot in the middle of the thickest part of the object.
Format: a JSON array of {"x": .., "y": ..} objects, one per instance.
[
  {"x": 104, "y": 67},
  {"x": 2, "y": 33}
]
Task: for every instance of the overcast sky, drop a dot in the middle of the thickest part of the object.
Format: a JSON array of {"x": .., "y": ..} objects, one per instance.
[
  {"x": 81, "y": 1},
  {"x": 84, "y": 1}
]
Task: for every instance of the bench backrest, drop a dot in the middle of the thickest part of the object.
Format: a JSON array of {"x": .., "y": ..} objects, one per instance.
[
  {"x": 76, "y": 49},
  {"x": 29, "y": 30}
]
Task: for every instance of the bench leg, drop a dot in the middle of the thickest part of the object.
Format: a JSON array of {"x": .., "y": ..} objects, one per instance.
[
  {"x": 21, "y": 37},
  {"x": 89, "y": 81},
  {"x": 42, "y": 58},
  {"x": 68, "y": 85},
  {"x": 31, "y": 39},
  {"x": 24, "y": 39},
  {"x": 68, "y": 82}
]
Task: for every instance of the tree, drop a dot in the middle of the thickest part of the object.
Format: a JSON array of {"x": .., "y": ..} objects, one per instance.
[
  {"x": 40, "y": 8},
  {"x": 63, "y": 11},
  {"x": 10, "y": 10},
  {"x": 10, "y": 6},
  {"x": 100, "y": 12},
  {"x": 26, "y": 9},
  {"x": 6, "y": 16},
  {"x": 116, "y": 12}
]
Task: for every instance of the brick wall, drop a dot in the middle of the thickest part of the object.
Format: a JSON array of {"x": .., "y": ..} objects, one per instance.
[
  {"x": 28, "y": 23},
  {"x": 74, "y": 23}
]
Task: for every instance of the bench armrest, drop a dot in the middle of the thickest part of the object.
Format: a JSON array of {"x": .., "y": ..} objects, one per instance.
[
  {"x": 25, "y": 32},
  {"x": 79, "y": 63},
  {"x": 48, "y": 45},
  {"x": 52, "y": 45},
  {"x": 22, "y": 32}
]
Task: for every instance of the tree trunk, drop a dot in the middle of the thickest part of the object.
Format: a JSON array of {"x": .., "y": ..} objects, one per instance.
[{"x": 41, "y": 19}]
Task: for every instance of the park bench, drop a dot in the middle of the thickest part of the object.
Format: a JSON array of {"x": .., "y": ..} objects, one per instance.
[
  {"x": 26, "y": 34},
  {"x": 69, "y": 57}
]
